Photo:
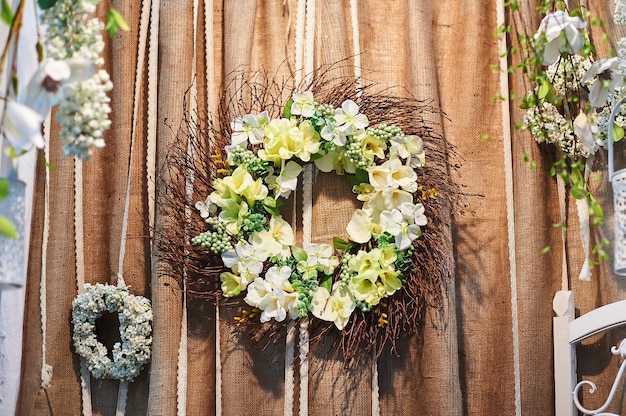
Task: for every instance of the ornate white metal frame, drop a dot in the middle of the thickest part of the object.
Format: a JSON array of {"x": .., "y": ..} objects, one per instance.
[{"x": 567, "y": 333}]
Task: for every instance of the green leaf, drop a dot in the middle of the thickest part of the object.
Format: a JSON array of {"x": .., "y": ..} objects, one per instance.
[
  {"x": 4, "y": 188},
  {"x": 6, "y": 14},
  {"x": 618, "y": 133},
  {"x": 327, "y": 282},
  {"x": 578, "y": 193},
  {"x": 544, "y": 89},
  {"x": 359, "y": 177},
  {"x": 115, "y": 22},
  {"x": 287, "y": 108},
  {"x": 340, "y": 243},
  {"x": 46, "y": 4},
  {"x": 7, "y": 228},
  {"x": 272, "y": 210},
  {"x": 298, "y": 253},
  {"x": 545, "y": 250}
]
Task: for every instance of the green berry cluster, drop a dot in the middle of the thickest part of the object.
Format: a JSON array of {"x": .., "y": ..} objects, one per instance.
[
  {"x": 323, "y": 116},
  {"x": 385, "y": 132},
  {"x": 355, "y": 154},
  {"x": 256, "y": 166},
  {"x": 304, "y": 287},
  {"x": 346, "y": 273},
  {"x": 253, "y": 222},
  {"x": 362, "y": 305},
  {"x": 216, "y": 239},
  {"x": 325, "y": 110}
]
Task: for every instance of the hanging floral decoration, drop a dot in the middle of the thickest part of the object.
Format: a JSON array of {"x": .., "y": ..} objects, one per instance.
[
  {"x": 573, "y": 91},
  {"x": 135, "y": 317},
  {"x": 242, "y": 247}
]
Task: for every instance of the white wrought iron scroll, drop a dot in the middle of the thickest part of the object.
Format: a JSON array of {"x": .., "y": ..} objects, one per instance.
[
  {"x": 567, "y": 333},
  {"x": 621, "y": 350}
]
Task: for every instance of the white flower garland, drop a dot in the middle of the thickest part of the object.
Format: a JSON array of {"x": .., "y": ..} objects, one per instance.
[
  {"x": 247, "y": 230},
  {"x": 135, "y": 317}
]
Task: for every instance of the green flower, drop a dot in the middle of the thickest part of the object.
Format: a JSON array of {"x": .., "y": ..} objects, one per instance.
[{"x": 232, "y": 284}]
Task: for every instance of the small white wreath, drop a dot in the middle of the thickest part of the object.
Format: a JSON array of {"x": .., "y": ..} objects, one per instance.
[{"x": 135, "y": 317}]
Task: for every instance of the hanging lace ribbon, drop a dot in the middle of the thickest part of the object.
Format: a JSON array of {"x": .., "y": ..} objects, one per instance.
[
  {"x": 143, "y": 37},
  {"x": 46, "y": 369},
  {"x": 304, "y": 66},
  {"x": 582, "y": 206}
]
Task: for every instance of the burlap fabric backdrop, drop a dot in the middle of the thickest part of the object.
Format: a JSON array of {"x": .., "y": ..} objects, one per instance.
[{"x": 482, "y": 355}]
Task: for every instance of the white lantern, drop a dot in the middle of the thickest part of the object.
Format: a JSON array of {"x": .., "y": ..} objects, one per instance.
[
  {"x": 12, "y": 252},
  {"x": 618, "y": 181}
]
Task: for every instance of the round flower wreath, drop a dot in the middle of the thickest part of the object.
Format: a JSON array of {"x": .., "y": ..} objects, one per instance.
[
  {"x": 135, "y": 317},
  {"x": 262, "y": 165}
]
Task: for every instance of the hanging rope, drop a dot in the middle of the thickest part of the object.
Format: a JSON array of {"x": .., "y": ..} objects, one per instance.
[
  {"x": 85, "y": 377},
  {"x": 143, "y": 37}
]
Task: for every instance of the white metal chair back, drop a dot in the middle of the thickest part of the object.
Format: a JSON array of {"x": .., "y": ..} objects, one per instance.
[{"x": 568, "y": 332}]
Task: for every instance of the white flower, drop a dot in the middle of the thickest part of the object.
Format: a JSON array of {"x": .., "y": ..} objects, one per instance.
[
  {"x": 303, "y": 104},
  {"x": 22, "y": 127},
  {"x": 360, "y": 226},
  {"x": 274, "y": 295},
  {"x": 321, "y": 257},
  {"x": 392, "y": 174},
  {"x": 336, "y": 307},
  {"x": 385, "y": 199},
  {"x": 277, "y": 240},
  {"x": 46, "y": 87},
  {"x": 249, "y": 128},
  {"x": 587, "y": 131},
  {"x": 246, "y": 260},
  {"x": 286, "y": 181},
  {"x": 395, "y": 224},
  {"x": 410, "y": 148},
  {"x": 413, "y": 213},
  {"x": 607, "y": 78},
  {"x": 561, "y": 33},
  {"x": 333, "y": 135},
  {"x": 347, "y": 118},
  {"x": 206, "y": 207}
]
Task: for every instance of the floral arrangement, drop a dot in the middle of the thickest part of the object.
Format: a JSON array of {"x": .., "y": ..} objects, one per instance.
[
  {"x": 572, "y": 96},
  {"x": 247, "y": 229},
  {"x": 69, "y": 75},
  {"x": 135, "y": 317},
  {"x": 235, "y": 244}
]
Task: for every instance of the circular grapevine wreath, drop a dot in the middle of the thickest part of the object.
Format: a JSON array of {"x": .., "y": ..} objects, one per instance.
[
  {"x": 248, "y": 159},
  {"x": 135, "y": 317}
]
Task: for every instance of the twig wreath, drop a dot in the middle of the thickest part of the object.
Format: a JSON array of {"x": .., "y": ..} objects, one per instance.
[
  {"x": 233, "y": 241},
  {"x": 135, "y": 317}
]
